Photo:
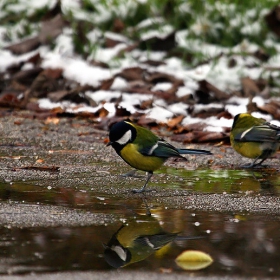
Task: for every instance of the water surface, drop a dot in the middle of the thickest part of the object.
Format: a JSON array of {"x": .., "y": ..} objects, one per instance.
[{"x": 240, "y": 243}]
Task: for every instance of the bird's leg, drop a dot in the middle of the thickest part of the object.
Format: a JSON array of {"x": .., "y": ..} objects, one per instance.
[
  {"x": 259, "y": 163},
  {"x": 150, "y": 174},
  {"x": 249, "y": 165},
  {"x": 148, "y": 212},
  {"x": 254, "y": 163}
]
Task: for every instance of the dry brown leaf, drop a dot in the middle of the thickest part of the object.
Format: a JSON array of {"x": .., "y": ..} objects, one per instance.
[
  {"x": 118, "y": 25},
  {"x": 41, "y": 168},
  {"x": 184, "y": 138},
  {"x": 159, "y": 44},
  {"x": 175, "y": 121},
  {"x": 102, "y": 112},
  {"x": 159, "y": 77},
  {"x": 52, "y": 120},
  {"x": 191, "y": 127},
  {"x": 212, "y": 136},
  {"x": 273, "y": 20},
  {"x": 106, "y": 84},
  {"x": 250, "y": 87},
  {"x": 133, "y": 73},
  {"x": 207, "y": 92}
]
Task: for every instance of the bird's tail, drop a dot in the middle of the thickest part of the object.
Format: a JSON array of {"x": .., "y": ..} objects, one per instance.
[{"x": 194, "y": 152}]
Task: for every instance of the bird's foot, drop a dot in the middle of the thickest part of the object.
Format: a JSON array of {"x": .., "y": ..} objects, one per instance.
[
  {"x": 248, "y": 165},
  {"x": 253, "y": 165},
  {"x": 141, "y": 190},
  {"x": 138, "y": 191}
]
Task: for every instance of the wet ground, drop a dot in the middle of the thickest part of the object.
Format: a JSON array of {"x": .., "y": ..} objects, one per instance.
[{"x": 62, "y": 198}]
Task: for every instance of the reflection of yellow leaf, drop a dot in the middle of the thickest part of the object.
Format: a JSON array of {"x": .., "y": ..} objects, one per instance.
[
  {"x": 193, "y": 260},
  {"x": 240, "y": 217},
  {"x": 39, "y": 160}
]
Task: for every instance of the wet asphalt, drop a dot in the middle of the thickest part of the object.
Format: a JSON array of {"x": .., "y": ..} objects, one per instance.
[{"x": 70, "y": 152}]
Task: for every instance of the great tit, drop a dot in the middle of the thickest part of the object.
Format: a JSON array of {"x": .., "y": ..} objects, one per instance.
[
  {"x": 254, "y": 138},
  {"x": 142, "y": 149},
  {"x": 135, "y": 240}
]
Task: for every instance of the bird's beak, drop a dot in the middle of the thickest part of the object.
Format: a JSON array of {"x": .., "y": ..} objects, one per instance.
[
  {"x": 109, "y": 144},
  {"x": 105, "y": 246}
]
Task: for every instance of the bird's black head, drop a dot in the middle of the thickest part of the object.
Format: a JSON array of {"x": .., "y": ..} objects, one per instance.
[
  {"x": 115, "y": 254},
  {"x": 121, "y": 134},
  {"x": 235, "y": 120}
]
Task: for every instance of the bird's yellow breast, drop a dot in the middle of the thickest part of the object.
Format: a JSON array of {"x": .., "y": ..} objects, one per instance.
[
  {"x": 248, "y": 149},
  {"x": 131, "y": 156},
  {"x": 255, "y": 149}
]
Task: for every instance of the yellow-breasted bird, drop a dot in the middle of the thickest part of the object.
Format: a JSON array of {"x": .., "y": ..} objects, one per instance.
[
  {"x": 142, "y": 149},
  {"x": 135, "y": 240},
  {"x": 254, "y": 138}
]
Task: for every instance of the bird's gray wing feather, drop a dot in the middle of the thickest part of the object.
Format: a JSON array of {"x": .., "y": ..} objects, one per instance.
[
  {"x": 160, "y": 149},
  {"x": 261, "y": 133},
  {"x": 156, "y": 241}
]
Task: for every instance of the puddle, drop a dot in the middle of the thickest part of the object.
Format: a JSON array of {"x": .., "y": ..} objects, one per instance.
[
  {"x": 229, "y": 181},
  {"x": 240, "y": 244}
]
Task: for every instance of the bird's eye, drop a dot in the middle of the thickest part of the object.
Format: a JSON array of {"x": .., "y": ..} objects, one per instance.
[{"x": 125, "y": 138}]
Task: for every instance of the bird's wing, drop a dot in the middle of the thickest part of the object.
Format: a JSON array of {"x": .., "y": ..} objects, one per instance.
[
  {"x": 155, "y": 241},
  {"x": 267, "y": 132},
  {"x": 160, "y": 149}
]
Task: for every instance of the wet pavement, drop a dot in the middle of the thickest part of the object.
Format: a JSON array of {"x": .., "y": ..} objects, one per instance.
[{"x": 62, "y": 199}]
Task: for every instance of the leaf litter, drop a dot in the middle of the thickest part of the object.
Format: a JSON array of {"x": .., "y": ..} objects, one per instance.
[{"x": 149, "y": 80}]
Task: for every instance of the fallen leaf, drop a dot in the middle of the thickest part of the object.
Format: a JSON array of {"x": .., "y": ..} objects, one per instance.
[
  {"x": 159, "y": 44},
  {"x": 118, "y": 25},
  {"x": 153, "y": 62},
  {"x": 207, "y": 93},
  {"x": 52, "y": 120},
  {"x": 159, "y": 77},
  {"x": 273, "y": 20},
  {"x": 145, "y": 104},
  {"x": 132, "y": 73},
  {"x": 175, "y": 121},
  {"x": 106, "y": 140},
  {"x": 198, "y": 126},
  {"x": 193, "y": 260},
  {"x": 17, "y": 122},
  {"x": 121, "y": 112},
  {"x": 106, "y": 84},
  {"x": 212, "y": 136},
  {"x": 41, "y": 168},
  {"x": 250, "y": 87}
]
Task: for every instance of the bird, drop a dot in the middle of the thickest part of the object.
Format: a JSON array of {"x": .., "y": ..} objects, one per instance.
[
  {"x": 135, "y": 240},
  {"x": 142, "y": 149},
  {"x": 254, "y": 138}
]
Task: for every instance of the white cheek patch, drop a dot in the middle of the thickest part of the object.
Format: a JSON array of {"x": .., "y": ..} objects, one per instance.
[
  {"x": 125, "y": 138},
  {"x": 120, "y": 252}
]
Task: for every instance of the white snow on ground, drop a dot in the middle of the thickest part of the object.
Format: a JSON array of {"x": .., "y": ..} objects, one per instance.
[
  {"x": 76, "y": 69},
  {"x": 216, "y": 71}
]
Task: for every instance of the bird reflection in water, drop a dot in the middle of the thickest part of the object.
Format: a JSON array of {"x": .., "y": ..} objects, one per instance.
[
  {"x": 138, "y": 238},
  {"x": 135, "y": 240}
]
